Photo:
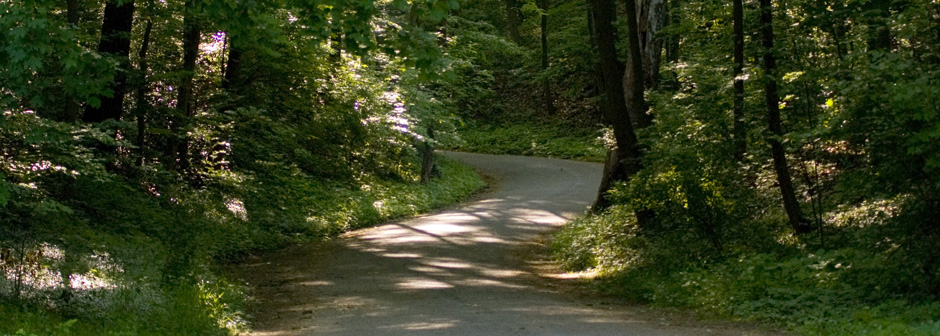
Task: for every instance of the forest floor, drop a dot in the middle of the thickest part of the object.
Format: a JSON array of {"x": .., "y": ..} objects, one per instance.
[{"x": 477, "y": 268}]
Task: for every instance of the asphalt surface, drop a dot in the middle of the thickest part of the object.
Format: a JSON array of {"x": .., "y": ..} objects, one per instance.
[{"x": 467, "y": 270}]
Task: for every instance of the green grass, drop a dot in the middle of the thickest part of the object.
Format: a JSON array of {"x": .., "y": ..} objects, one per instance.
[
  {"x": 533, "y": 139},
  {"x": 286, "y": 207},
  {"x": 181, "y": 311},
  {"x": 836, "y": 292}
]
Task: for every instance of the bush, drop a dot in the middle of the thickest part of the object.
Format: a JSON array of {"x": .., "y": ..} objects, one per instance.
[{"x": 830, "y": 292}]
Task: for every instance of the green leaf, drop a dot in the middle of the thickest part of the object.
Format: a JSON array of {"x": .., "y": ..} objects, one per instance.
[{"x": 439, "y": 11}]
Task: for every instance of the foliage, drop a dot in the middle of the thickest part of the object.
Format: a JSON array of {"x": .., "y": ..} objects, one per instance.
[
  {"x": 832, "y": 292},
  {"x": 306, "y": 119},
  {"x": 532, "y": 139},
  {"x": 133, "y": 301},
  {"x": 303, "y": 123},
  {"x": 861, "y": 148}
]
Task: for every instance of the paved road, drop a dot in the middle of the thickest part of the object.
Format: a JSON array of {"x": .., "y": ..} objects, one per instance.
[{"x": 463, "y": 271}]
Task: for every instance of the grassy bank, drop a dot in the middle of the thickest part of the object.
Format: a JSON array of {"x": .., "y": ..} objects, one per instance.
[
  {"x": 133, "y": 280},
  {"x": 533, "y": 139},
  {"x": 845, "y": 291}
]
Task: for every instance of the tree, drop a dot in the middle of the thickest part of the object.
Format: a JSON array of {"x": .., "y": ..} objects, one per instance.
[
  {"x": 513, "y": 20},
  {"x": 673, "y": 18},
  {"x": 116, "y": 42},
  {"x": 233, "y": 65},
  {"x": 650, "y": 16},
  {"x": 624, "y": 160},
  {"x": 644, "y": 54},
  {"x": 179, "y": 150},
  {"x": 877, "y": 15},
  {"x": 72, "y": 14},
  {"x": 142, "y": 106},
  {"x": 790, "y": 203},
  {"x": 548, "y": 97},
  {"x": 739, "y": 133}
]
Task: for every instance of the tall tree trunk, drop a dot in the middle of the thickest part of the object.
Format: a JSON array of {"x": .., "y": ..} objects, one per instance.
[
  {"x": 597, "y": 72},
  {"x": 233, "y": 67},
  {"x": 232, "y": 84},
  {"x": 624, "y": 161},
  {"x": 547, "y": 95},
  {"x": 650, "y": 16},
  {"x": 634, "y": 78},
  {"x": 671, "y": 42},
  {"x": 790, "y": 203},
  {"x": 592, "y": 33},
  {"x": 673, "y": 18},
  {"x": 184, "y": 107},
  {"x": 142, "y": 105},
  {"x": 513, "y": 20},
  {"x": 836, "y": 23},
  {"x": 879, "y": 32},
  {"x": 70, "y": 110},
  {"x": 115, "y": 40},
  {"x": 72, "y": 13},
  {"x": 739, "y": 132},
  {"x": 70, "y": 113}
]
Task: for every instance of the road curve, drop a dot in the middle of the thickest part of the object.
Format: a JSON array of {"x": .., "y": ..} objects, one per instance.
[{"x": 461, "y": 271}]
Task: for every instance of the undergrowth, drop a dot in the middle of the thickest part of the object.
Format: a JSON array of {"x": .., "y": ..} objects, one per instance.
[
  {"x": 842, "y": 291},
  {"x": 533, "y": 139}
]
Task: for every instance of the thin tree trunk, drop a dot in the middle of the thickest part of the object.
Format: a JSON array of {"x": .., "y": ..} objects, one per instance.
[
  {"x": 879, "y": 34},
  {"x": 184, "y": 109},
  {"x": 739, "y": 132},
  {"x": 671, "y": 42},
  {"x": 598, "y": 71},
  {"x": 513, "y": 20},
  {"x": 674, "y": 18},
  {"x": 427, "y": 158},
  {"x": 70, "y": 113},
  {"x": 142, "y": 105},
  {"x": 72, "y": 13},
  {"x": 625, "y": 161},
  {"x": 232, "y": 84},
  {"x": 790, "y": 203},
  {"x": 70, "y": 109},
  {"x": 836, "y": 23},
  {"x": 548, "y": 97},
  {"x": 233, "y": 67},
  {"x": 634, "y": 80},
  {"x": 115, "y": 40}
]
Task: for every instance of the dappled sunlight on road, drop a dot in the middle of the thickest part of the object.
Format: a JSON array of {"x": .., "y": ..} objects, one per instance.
[
  {"x": 462, "y": 271},
  {"x": 422, "y": 283}
]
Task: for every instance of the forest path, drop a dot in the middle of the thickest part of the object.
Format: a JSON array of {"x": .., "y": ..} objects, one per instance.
[{"x": 478, "y": 268}]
